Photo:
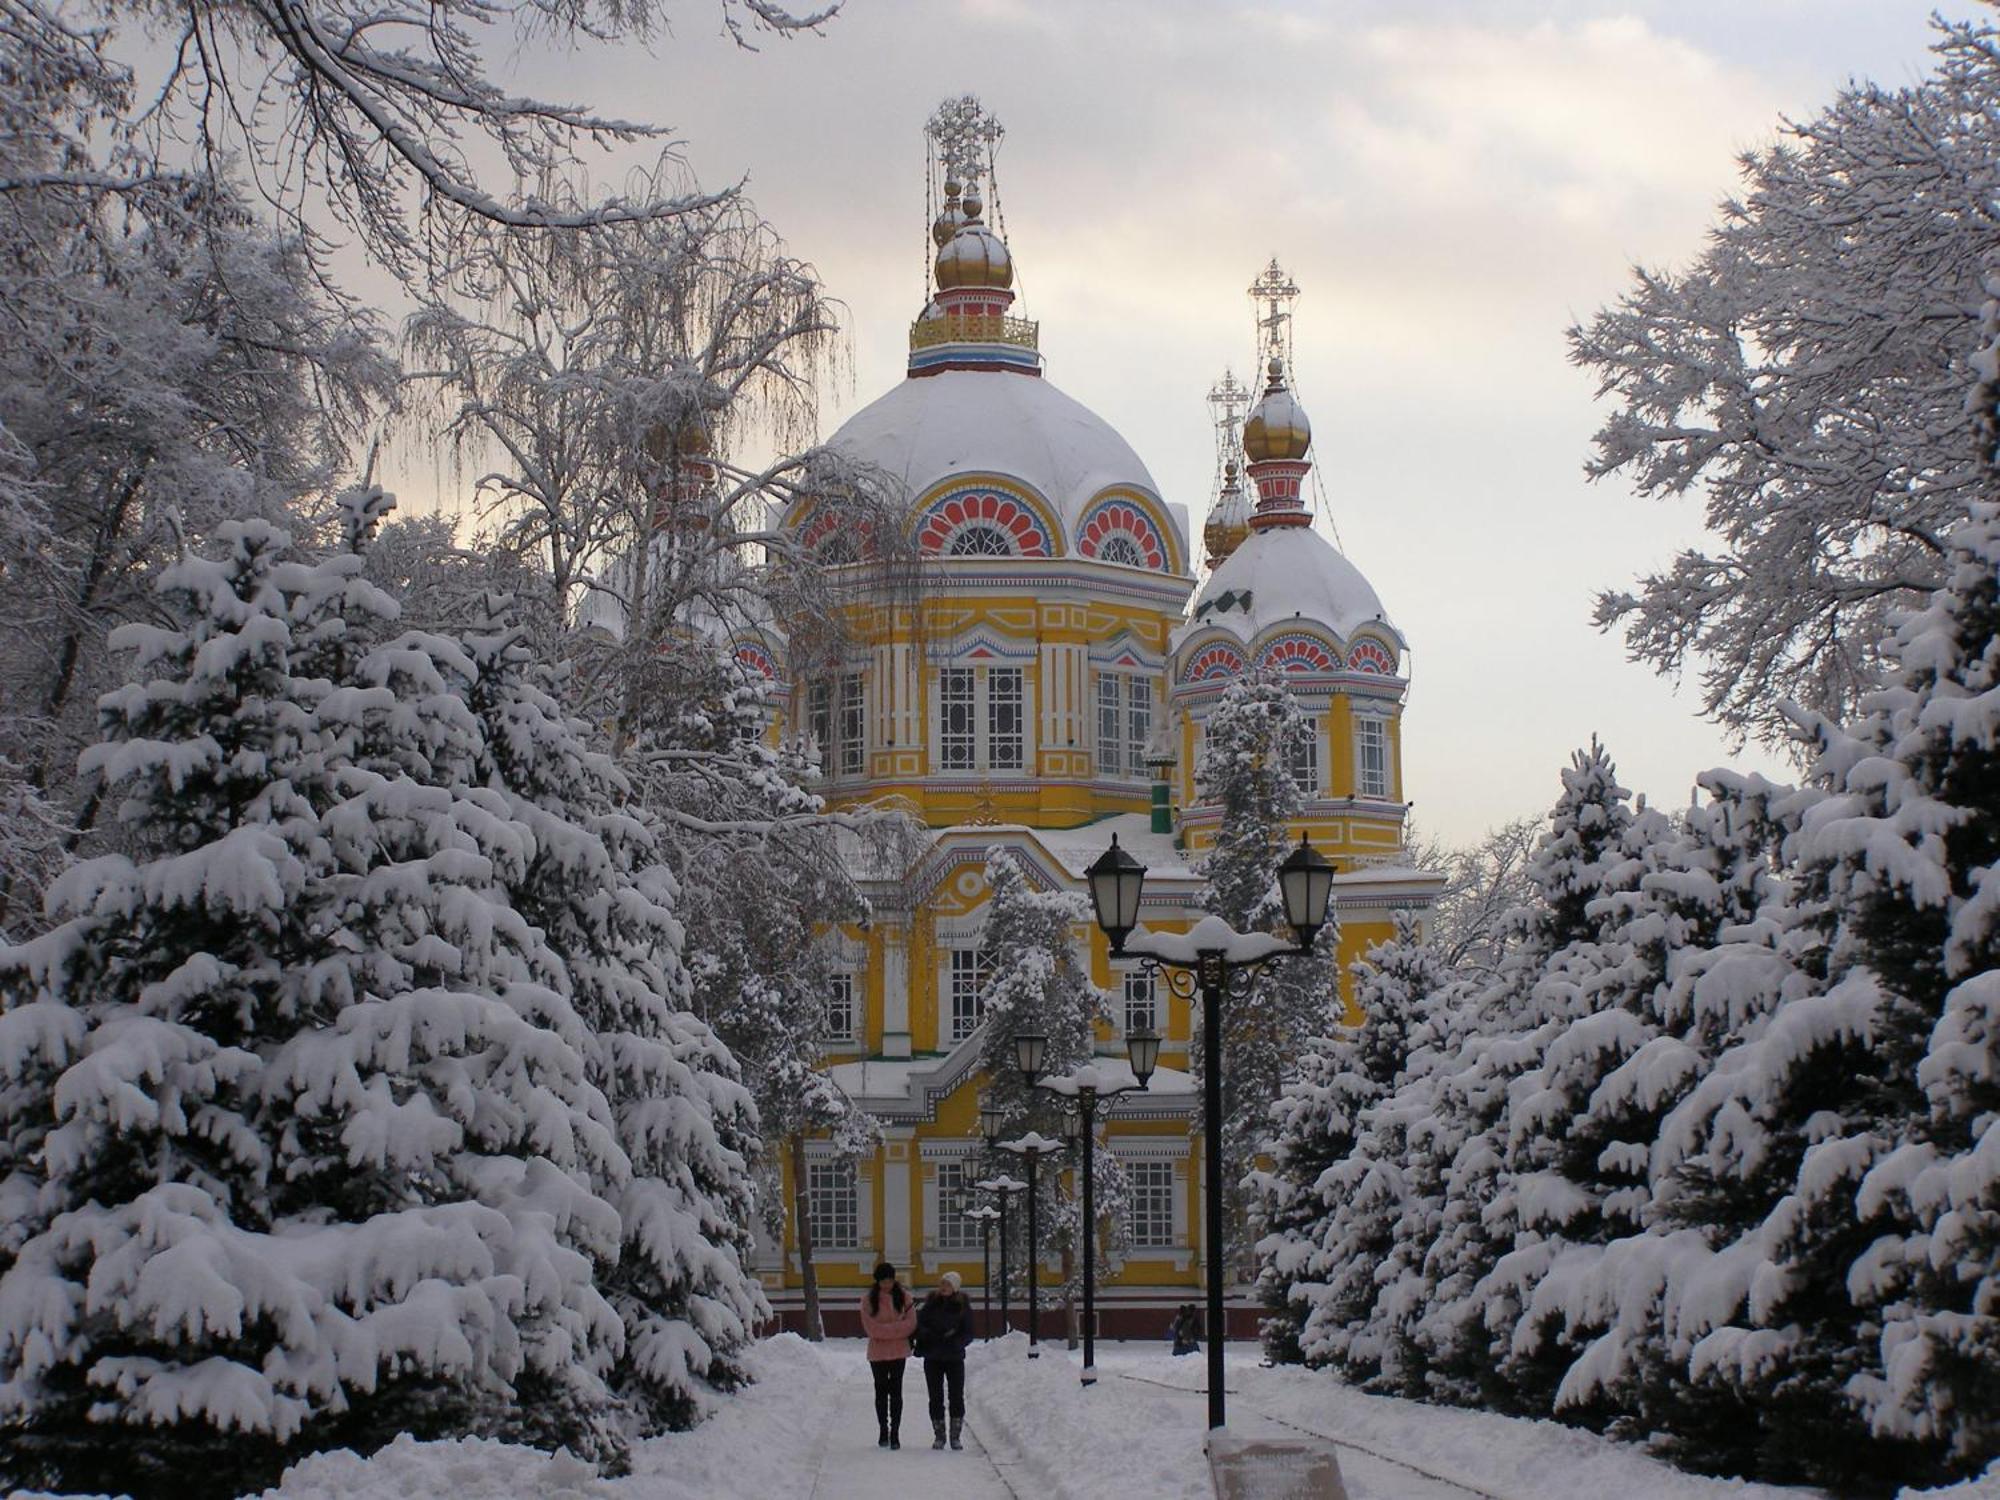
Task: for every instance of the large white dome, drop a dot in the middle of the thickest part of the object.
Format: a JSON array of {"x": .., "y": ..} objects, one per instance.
[
  {"x": 1285, "y": 573},
  {"x": 932, "y": 427}
]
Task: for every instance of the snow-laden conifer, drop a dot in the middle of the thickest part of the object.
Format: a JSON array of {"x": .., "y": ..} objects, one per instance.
[
  {"x": 1252, "y": 736},
  {"x": 1040, "y": 981}
]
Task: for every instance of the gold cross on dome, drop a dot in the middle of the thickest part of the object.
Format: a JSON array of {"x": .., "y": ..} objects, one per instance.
[{"x": 1275, "y": 292}]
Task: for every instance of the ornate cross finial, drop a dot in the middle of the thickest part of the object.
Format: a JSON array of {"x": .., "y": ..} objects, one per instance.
[
  {"x": 1274, "y": 293},
  {"x": 1227, "y": 398},
  {"x": 965, "y": 133}
]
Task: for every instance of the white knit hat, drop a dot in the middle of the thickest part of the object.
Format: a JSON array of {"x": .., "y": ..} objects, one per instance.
[{"x": 952, "y": 1279}]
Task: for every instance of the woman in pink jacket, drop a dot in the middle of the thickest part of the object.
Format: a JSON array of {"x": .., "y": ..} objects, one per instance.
[{"x": 889, "y": 1317}]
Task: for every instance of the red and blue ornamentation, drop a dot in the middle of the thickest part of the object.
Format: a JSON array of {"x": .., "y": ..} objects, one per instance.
[
  {"x": 982, "y": 523},
  {"x": 755, "y": 657},
  {"x": 1372, "y": 657},
  {"x": 1120, "y": 532},
  {"x": 1298, "y": 652},
  {"x": 1216, "y": 661}
]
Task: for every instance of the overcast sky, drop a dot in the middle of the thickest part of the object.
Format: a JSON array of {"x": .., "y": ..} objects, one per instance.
[{"x": 1451, "y": 184}]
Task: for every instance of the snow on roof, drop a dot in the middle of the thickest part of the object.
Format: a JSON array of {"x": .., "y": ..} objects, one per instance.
[
  {"x": 1078, "y": 848},
  {"x": 931, "y": 427},
  {"x": 1284, "y": 573}
]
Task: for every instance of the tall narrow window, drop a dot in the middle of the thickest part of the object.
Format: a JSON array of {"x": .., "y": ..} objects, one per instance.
[
  {"x": 853, "y": 726},
  {"x": 819, "y": 724},
  {"x": 954, "y": 1196},
  {"x": 840, "y": 1016},
  {"x": 1005, "y": 743},
  {"x": 1371, "y": 757},
  {"x": 1302, "y": 759},
  {"x": 1149, "y": 1196},
  {"x": 958, "y": 743},
  {"x": 1110, "y": 725},
  {"x": 967, "y": 989},
  {"x": 1139, "y": 1010},
  {"x": 833, "y": 1204},
  {"x": 1139, "y": 723}
]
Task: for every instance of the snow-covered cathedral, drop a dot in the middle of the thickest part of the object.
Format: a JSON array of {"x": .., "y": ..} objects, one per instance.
[{"x": 1044, "y": 688}]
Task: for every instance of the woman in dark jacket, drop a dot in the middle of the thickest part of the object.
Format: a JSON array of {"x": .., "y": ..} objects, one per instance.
[{"x": 944, "y": 1332}]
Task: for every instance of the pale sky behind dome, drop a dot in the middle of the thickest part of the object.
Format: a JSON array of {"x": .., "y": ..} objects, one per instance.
[{"x": 1451, "y": 185}]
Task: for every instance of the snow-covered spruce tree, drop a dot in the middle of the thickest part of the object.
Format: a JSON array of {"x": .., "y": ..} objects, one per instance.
[
  {"x": 1558, "y": 945},
  {"x": 599, "y": 889},
  {"x": 1325, "y": 1214},
  {"x": 302, "y": 1144},
  {"x": 1804, "y": 376},
  {"x": 1251, "y": 735},
  {"x": 1039, "y": 980},
  {"x": 1632, "y": 1307}
]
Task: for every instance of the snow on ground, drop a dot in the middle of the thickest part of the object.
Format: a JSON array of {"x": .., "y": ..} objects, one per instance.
[{"x": 807, "y": 1429}]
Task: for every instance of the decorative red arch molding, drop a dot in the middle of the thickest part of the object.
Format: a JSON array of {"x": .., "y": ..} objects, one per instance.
[
  {"x": 1371, "y": 656},
  {"x": 1119, "y": 527},
  {"x": 982, "y": 523},
  {"x": 1217, "y": 659},
  {"x": 1298, "y": 652}
]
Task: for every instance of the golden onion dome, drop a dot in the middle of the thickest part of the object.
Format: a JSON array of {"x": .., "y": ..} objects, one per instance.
[
  {"x": 975, "y": 257},
  {"x": 1277, "y": 426},
  {"x": 947, "y": 223},
  {"x": 1229, "y": 521}
]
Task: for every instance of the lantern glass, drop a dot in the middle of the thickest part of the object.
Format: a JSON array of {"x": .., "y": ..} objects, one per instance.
[
  {"x": 1305, "y": 880},
  {"x": 991, "y": 1119},
  {"x": 1031, "y": 1049},
  {"x": 1116, "y": 879},
  {"x": 1142, "y": 1048}
]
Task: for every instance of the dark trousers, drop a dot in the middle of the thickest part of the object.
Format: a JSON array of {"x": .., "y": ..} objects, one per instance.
[
  {"x": 888, "y": 1375},
  {"x": 938, "y": 1373}
]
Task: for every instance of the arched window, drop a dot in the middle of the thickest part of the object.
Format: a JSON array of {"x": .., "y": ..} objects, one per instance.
[
  {"x": 981, "y": 541},
  {"x": 1121, "y": 548}
]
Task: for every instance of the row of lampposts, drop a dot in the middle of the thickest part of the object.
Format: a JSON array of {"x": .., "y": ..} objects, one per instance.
[{"x": 1211, "y": 956}]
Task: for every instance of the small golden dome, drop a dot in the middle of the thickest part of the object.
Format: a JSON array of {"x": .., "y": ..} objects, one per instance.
[
  {"x": 975, "y": 257},
  {"x": 1229, "y": 521},
  {"x": 947, "y": 223},
  {"x": 1277, "y": 426}
]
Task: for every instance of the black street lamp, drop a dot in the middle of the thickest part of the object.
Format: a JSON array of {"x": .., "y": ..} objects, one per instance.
[
  {"x": 984, "y": 1216},
  {"x": 1033, "y": 1147},
  {"x": 1086, "y": 1086},
  {"x": 1002, "y": 1188},
  {"x": 1215, "y": 956}
]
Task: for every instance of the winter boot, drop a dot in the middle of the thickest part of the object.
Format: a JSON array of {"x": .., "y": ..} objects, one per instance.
[
  {"x": 882, "y": 1441},
  {"x": 896, "y": 1434},
  {"x": 957, "y": 1426},
  {"x": 937, "y": 1426}
]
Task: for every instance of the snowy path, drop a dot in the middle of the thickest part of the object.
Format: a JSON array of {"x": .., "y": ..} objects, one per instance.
[
  {"x": 1368, "y": 1473},
  {"x": 851, "y": 1467}
]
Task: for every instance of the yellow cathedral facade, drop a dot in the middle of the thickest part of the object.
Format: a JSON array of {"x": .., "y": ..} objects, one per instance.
[{"x": 1044, "y": 688}]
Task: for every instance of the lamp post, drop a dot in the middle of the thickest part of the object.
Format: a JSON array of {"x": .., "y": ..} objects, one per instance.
[
  {"x": 984, "y": 1216},
  {"x": 1002, "y": 1188},
  {"x": 1214, "y": 956},
  {"x": 1033, "y": 1146},
  {"x": 1087, "y": 1085}
]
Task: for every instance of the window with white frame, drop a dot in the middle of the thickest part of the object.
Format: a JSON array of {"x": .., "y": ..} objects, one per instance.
[
  {"x": 1006, "y": 739},
  {"x": 1124, "y": 723},
  {"x": 1140, "y": 1014},
  {"x": 1302, "y": 759},
  {"x": 840, "y": 1012},
  {"x": 852, "y": 727},
  {"x": 953, "y": 1196},
  {"x": 833, "y": 1205},
  {"x": 1149, "y": 1199},
  {"x": 1371, "y": 757},
  {"x": 837, "y": 722},
  {"x": 966, "y": 987},
  {"x": 982, "y": 719}
]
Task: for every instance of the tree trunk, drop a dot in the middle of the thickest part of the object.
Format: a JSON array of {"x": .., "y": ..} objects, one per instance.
[{"x": 802, "y": 1237}]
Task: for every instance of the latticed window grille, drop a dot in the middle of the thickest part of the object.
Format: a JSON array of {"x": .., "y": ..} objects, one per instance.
[
  {"x": 1302, "y": 761},
  {"x": 968, "y": 991},
  {"x": 958, "y": 733},
  {"x": 954, "y": 1197},
  {"x": 840, "y": 1015},
  {"x": 1140, "y": 1014},
  {"x": 853, "y": 726},
  {"x": 1149, "y": 1198},
  {"x": 833, "y": 1205},
  {"x": 1139, "y": 723},
  {"x": 1005, "y": 741},
  {"x": 1371, "y": 758}
]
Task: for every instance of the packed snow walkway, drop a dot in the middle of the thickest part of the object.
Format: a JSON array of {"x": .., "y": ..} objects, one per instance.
[{"x": 852, "y": 1467}]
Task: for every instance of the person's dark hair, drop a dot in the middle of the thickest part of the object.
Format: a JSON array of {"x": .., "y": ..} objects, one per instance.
[{"x": 885, "y": 1272}]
